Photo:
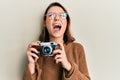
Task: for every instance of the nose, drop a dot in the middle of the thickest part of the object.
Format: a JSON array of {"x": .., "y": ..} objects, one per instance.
[{"x": 57, "y": 17}]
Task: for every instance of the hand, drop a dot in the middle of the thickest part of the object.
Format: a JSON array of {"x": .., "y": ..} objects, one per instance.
[
  {"x": 32, "y": 57},
  {"x": 31, "y": 52},
  {"x": 60, "y": 57}
]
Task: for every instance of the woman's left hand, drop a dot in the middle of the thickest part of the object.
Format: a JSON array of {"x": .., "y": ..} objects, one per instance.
[{"x": 60, "y": 57}]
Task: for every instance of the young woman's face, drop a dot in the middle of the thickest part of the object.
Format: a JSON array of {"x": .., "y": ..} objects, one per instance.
[{"x": 56, "y": 22}]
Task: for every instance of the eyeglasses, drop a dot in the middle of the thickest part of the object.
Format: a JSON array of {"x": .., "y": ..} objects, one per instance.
[{"x": 52, "y": 15}]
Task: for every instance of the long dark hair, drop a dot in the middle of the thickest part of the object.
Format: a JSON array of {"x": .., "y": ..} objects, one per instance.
[{"x": 44, "y": 36}]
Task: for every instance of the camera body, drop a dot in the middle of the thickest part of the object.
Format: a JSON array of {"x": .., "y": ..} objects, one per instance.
[{"x": 47, "y": 48}]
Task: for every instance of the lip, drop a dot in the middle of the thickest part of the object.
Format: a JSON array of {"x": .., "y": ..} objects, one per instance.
[
  {"x": 56, "y": 24},
  {"x": 56, "y": 27}
]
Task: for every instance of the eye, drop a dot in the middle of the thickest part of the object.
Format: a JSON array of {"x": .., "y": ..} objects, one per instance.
[
  {"x": 63, "y": 15},
  {"x": 51, "y": 14}
]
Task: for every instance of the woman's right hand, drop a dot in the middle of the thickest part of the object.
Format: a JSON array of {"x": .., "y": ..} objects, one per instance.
[
  {"x": 32, "y": 57},
  {"x": 31, "y": 52}
]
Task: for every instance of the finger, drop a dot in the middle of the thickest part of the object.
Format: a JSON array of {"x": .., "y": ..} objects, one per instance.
[
  {"x": 58, "y": 61},
  {"x": 61, "y": 46},
  {"x": 58, "y": 57},
  {"x": 33, "y": 55},
  {"x": 36, "y": 59},
  {"x": 33, "y": 50},
  {"x": 34, "y": 44},
  {"x": 57, "y": 51}
]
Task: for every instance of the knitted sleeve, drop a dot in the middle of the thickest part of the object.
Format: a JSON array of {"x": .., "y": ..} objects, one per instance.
[
  {"x": 35, "y": 76},
  {"x": 28, "y": 75},
  {"x": 79, "y": 70}
]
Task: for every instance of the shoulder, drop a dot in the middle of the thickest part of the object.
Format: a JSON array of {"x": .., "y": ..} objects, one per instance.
[
  {"x": 78, "y": 49},
  {"x": 76, "y": 46},
  {"x": 75, "y": 49}
]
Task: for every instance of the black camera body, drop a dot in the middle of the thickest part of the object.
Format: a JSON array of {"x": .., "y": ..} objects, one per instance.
[{"x": 47, "y": 48}]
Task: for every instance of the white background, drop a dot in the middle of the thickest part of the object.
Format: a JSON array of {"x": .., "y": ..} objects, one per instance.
[{"x": 95, "y": 24}]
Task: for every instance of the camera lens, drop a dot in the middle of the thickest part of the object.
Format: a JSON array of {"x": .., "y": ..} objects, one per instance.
[{"x": 46, "y": 50}]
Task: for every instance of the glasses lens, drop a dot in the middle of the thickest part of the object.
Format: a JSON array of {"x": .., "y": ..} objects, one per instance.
[
  {"x": 63, "y": 15},
  {"x": 50, "y": 15}
]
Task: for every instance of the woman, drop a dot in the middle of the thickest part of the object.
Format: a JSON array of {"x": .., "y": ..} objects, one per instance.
[{"x": 68, "y": 61}]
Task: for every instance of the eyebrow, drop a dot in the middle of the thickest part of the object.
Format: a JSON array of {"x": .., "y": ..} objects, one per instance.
[{"x": 57, "y": 13}]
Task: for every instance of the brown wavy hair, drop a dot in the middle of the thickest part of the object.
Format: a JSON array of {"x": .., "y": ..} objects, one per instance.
[{"x": 44, "y": 36}]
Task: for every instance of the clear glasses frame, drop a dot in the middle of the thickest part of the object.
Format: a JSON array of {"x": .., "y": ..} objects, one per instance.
[{"x": 52, "y": 15}]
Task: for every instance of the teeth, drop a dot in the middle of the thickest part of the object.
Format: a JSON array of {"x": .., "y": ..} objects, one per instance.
[{"x": 57, "y": 26}]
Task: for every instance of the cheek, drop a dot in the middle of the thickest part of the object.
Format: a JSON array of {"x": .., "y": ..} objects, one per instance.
[
  {"x": 48, "y": 24},
  {"x": 65, "y": 25}
]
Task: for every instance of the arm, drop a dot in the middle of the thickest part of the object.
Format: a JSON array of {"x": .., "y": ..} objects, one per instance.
[
  {"x": 79, "y": 69},
  {"x": 28, "y": 75},
  {"x": 35, "y": 76},
  {"x": 30, "y": 72}
]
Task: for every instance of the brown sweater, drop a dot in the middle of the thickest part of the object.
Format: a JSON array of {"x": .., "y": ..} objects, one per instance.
[{"x": 47, "y": 69}]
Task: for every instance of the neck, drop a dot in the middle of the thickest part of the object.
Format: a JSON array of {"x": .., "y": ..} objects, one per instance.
[{"x": 58, "y": 40}]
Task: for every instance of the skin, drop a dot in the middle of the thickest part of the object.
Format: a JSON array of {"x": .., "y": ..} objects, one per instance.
[{"x": 55, "y": 35}]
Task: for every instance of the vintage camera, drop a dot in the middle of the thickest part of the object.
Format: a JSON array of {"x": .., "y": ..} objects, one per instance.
[{"x": 47, "y": 48}]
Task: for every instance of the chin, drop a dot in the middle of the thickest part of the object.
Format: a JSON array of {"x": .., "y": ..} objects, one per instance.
[{"x": 57, "y": 36}]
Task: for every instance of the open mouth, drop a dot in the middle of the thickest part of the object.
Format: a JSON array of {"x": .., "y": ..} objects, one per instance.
[{"x": 57, "y": 27}]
